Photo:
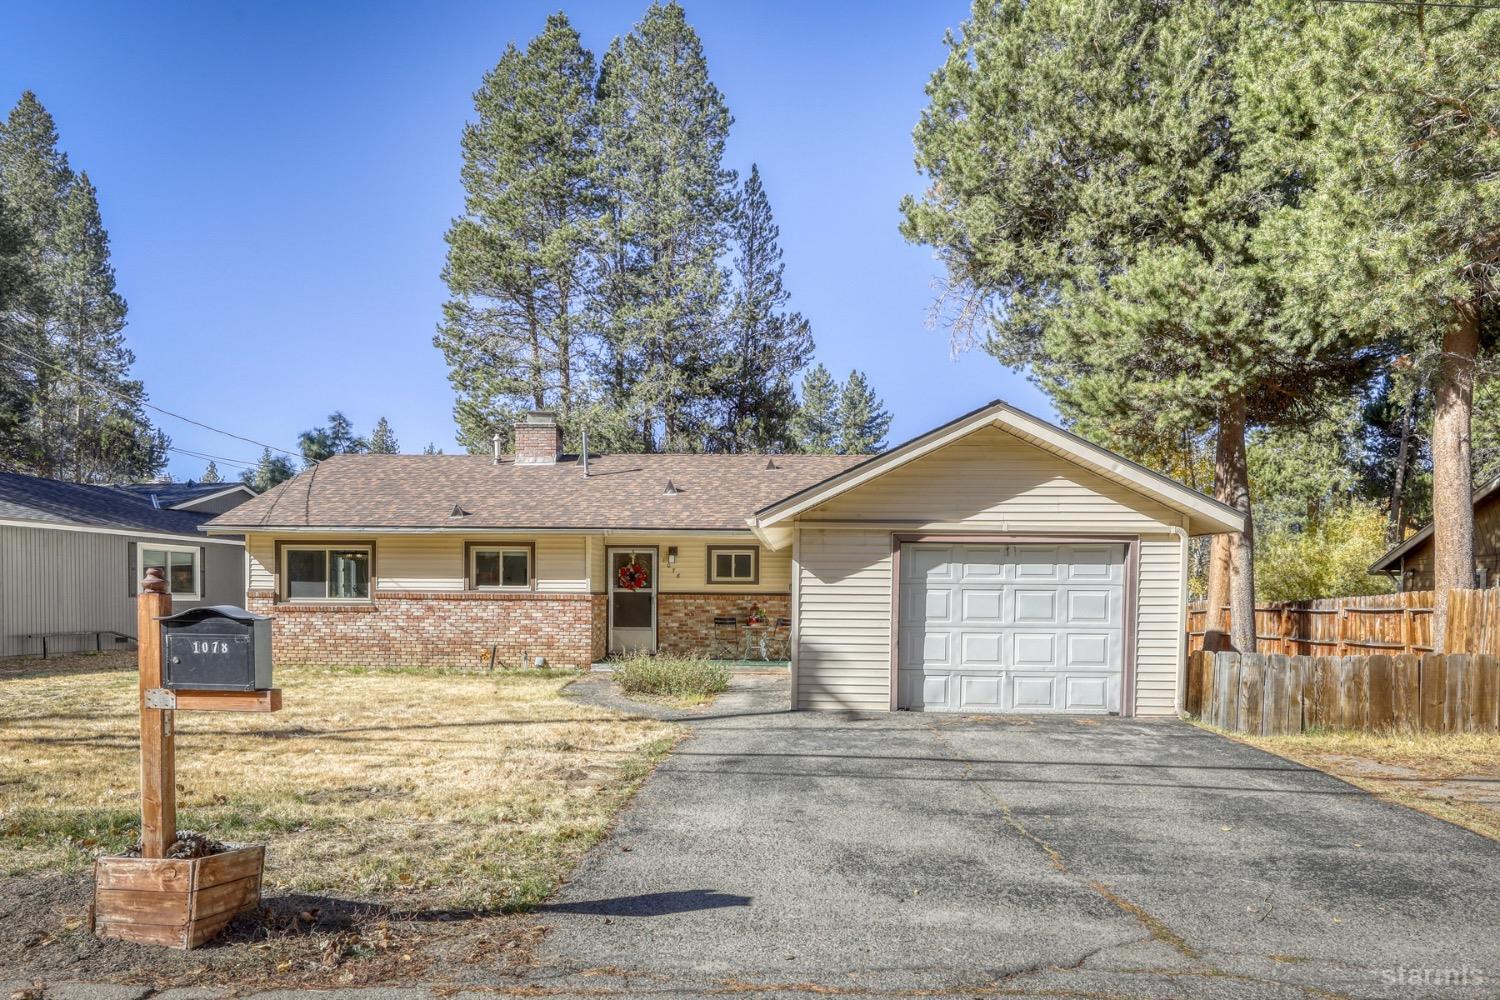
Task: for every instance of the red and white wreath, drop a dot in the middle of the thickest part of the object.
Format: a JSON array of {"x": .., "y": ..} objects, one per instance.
[{"x": 632, "y": 576}]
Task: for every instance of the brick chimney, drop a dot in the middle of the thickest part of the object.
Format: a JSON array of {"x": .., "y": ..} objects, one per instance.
[{"x": 539, "y": 439}]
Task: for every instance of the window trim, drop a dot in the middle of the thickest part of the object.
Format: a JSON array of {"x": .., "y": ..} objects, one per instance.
[
  {"x": 282, "y": 583},
  {"x": 752, "y": 580},
  {"x": 471, "y": 547},
  {"x": 197, "y": 554}
]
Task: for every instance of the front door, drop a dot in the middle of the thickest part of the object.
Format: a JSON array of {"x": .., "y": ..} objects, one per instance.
[{"x": 632, "y": 600}]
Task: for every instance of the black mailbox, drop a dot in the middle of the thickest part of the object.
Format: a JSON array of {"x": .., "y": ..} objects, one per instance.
[{"x": 219, "y": 648}]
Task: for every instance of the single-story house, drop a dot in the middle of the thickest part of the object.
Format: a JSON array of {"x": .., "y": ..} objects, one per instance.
[
  {"x": 1411, "y": 561},
  {"x": 71, "y": 556},
  {"x": 996, "y": 563}
]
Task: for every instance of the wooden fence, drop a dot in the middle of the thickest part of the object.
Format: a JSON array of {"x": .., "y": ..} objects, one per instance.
[
  {"x": 1274, "y": 693},
  {"x": 1378, "y": 624}
]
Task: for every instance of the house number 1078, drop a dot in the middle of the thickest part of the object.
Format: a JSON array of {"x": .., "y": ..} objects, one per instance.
[{"x": 210, "y": 646}]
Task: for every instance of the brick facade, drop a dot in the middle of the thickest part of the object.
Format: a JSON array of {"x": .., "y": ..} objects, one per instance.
[
  {"x": 685, "y": 622},
  {"x": 442, "y": 629},
  {"x": 437, "y": 629}
]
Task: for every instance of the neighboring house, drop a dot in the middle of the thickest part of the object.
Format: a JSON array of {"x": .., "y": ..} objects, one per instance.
[
  {"x": 71, "y": 556},
  {"x": 997, "y": 563},
  {"x": 1410, "y": 563}
]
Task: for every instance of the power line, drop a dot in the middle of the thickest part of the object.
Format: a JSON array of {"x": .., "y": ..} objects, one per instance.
[
  {"x": 120, "y": 395},
  {"x": 1419, "y": 3},
  {"x": 212, "y": 458}
]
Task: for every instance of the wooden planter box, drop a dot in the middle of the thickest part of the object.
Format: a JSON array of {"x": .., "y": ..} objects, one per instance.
[{"x": 179, "y": 904}]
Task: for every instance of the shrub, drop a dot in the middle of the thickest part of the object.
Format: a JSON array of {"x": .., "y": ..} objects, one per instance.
[{"x": 672, "y": 676}]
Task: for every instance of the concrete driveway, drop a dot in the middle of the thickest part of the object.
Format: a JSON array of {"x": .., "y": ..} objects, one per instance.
[{"x": 886, "y": 855}]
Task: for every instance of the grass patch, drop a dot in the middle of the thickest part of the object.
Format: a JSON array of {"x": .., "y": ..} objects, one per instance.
[
  {"x": 418, "y": 787},
  {"x": 687, "y": 680},
  {"x": 1423, "y": 771}
]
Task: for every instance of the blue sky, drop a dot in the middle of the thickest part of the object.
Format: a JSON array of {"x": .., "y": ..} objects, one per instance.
[{"x": 277, "y": 177}]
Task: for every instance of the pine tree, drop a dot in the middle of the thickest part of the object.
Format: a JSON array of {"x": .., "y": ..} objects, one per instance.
[
  {"x": 863, "y": 419},
  {"x": 272, "y": 470},
  {"x": 663, "y": 125},
  {"x": 519, "y": 257},
  {"x": 432, "y": 449},
  {"x": 17, "y": 291},
  {"x": 816, "y": 425},
  {"x": 211, "y": 474},
  {"x": 383, "y": 439},
  {"x": 1098, "y": 196},
  {"x": 83, "y": 417},
  {"x": 769, "y": 345},
  {"x": 1390, "y": 112},
  {"x": 338, "y": 438}
]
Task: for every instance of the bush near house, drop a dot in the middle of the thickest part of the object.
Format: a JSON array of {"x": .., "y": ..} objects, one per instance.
[{"x": 686, "y": 678}]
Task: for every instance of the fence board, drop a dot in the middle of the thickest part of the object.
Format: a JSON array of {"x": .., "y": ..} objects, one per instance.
[
  {"x": 1434, "y": 693},
  {"x": 1486, "y": 697},
  {"x": 1379, "y": 692},
  {"x": 1252, "y": 691},
  {"x": 1406, "y": 701}
]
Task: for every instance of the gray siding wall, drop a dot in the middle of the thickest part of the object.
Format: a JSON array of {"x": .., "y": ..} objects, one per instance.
[{"x": 55, "y": 580}]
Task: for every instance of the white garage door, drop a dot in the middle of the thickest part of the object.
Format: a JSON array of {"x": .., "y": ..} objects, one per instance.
[{"x": 1011, "y": 628}]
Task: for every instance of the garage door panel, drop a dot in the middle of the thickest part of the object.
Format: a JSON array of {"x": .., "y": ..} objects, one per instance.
[
  {"x": 981, "y": 606},
  {"x": 980, "y": 692},
  {"x": 1017, "y": 627},
  {"x": 983, "y": 649}
]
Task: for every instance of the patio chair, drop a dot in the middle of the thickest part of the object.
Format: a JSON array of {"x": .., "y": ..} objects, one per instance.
[
  {"x": 726, "y": 641},
  {"x": 779, "y": 640}
]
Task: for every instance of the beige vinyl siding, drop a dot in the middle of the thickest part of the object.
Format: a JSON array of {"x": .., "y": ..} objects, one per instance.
[
  {"x": 1158, "y": 637},
  {"x": 690, "y": 575},
  {"x": 844, "y": 619},
  {"x": 435, "y": 563},
  {"x": 994, "y": 481}
]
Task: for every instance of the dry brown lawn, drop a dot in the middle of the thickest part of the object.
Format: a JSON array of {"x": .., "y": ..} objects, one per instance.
[
  {"x": 1454, "y": 776},
  {"x": 416, "y": 788}
]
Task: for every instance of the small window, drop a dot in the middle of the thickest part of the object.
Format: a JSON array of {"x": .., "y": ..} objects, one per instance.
[
  {"x": 178, "y": 565},
  {"x": 733, "y": 565},
  {"x": 500, "y": 568},
  {"x": 326, "y": 574}
]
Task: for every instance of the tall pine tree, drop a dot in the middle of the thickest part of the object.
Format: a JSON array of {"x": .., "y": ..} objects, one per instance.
[
  {"x": 383, "y": 439},
  {"x": 83, "y": 415},
  {"x": 211, "y": 473},
  {"x": 338, "y": 438},
  {"x": 519, "y": 257},
  {"x": 816, "y": 425},
  {"x": 272, "y": 470},
  {"x": 768, "y": 345},
  {"x": 663, "y": 125},
  {"x": 863, "y": 419}
]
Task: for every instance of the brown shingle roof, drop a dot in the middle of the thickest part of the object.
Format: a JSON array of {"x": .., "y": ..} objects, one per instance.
[{"x": 715, "y": 492}]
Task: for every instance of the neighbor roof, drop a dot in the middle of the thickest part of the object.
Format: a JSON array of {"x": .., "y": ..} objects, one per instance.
[
  {"x": 621, "y": 492},
  {"x": 52, "y": 501},
  {"x": 184, "y": 494},
  {"x": 1205, "y": 514},
  {"x": 1387, "y": 562}
]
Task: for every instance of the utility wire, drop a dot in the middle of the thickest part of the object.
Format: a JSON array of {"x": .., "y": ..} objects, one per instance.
[
  {"x": 120, "y": 395},
  {"x": 1449, "y": 4}
]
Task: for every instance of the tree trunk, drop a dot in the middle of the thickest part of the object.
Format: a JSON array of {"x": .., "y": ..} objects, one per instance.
[
  {"x": 1394, "y": 530},
  {"x": 1232, "y": 486},
  {"x": 1215, "y": 637},
  {"x": 1452, "y": 471}
]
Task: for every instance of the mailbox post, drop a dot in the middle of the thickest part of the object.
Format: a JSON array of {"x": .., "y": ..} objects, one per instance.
[{"x": 204, "y": 659}]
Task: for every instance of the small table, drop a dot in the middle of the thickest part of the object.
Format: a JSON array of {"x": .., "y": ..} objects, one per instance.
[{"x": 756, "y": 635}]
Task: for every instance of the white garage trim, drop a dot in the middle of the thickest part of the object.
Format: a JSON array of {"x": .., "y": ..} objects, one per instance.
[{"x": 1128, "y": 625}]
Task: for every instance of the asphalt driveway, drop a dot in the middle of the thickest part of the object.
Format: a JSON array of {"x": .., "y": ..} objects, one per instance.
[{"x": 812, "y": 853}]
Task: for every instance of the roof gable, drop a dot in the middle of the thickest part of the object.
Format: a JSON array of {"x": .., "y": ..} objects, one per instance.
[
  {"x": 1204, "y": 514},
  {"x": 1489, "y": 493},
  {"x": 59, "y": 503}
]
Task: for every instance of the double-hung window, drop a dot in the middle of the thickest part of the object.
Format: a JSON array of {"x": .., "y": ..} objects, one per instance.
[
  {"x": 325, "y": 573},
  {"x": 500, "y": 567},
  {"x": 180, "y": 565},
  {"x": 733, "y": 565}
]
